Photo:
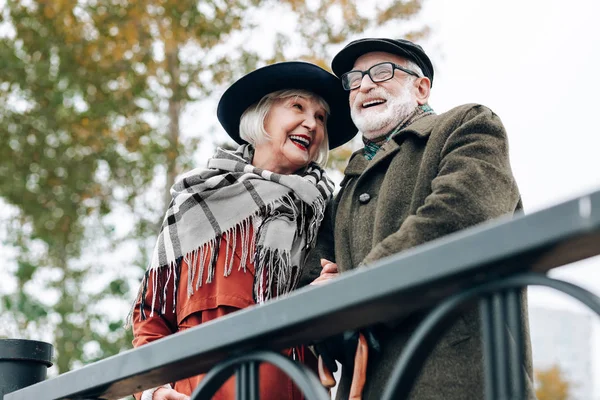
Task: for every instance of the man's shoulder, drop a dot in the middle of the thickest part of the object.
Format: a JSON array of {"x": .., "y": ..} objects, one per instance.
[
  {"x": 468, "y": 116},
  {"x": 466, "y": 110}
]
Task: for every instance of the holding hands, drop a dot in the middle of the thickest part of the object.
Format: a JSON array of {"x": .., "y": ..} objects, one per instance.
[
  {"x": 168, "y": 394},
  {"x": 329, "y": 272}
]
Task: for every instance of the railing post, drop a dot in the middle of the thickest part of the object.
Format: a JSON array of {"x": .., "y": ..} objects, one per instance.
[{"x": 22, "y": 363}]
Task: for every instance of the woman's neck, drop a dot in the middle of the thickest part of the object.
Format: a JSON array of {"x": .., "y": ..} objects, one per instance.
[{"x": 267, "y": 162}]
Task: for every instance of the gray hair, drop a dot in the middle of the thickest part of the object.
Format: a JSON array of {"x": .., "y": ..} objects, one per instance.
[
  {"x": 252, "y": 122},
  {"x": 413, "y": 67}
]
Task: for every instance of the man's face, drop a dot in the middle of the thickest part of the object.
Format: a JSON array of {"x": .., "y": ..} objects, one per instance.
[{"x": 377, "y": 108}]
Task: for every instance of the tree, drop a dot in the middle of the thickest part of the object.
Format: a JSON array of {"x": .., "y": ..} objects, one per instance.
[
  {"x": 551, "y": 384},
  {"x": 91, "y": 97}
]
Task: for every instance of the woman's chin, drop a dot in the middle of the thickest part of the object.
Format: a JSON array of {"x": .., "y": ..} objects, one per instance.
[
  {"x": 303, "y": 159},
  {"x": 300, "y": 163},
  {"x": 298, "y": 156}
]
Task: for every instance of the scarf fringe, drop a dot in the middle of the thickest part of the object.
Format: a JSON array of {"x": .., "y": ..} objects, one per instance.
[{"x": 274, "y": 273}]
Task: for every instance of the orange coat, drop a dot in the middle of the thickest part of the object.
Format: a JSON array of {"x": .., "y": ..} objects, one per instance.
[{"x": 213, "y": 300}]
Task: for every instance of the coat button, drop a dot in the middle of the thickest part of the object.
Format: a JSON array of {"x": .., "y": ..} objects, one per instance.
[{"x": 364, "y": 198}]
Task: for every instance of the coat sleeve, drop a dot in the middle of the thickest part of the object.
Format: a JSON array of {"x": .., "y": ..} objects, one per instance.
[
  {"x": 152, "y": 327},
  {"x": 474, "y": 183},
  {"x": 155, "y": 325}
]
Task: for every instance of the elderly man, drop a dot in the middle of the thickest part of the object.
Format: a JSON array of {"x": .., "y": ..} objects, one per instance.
[{"x": 420, "y": 176}]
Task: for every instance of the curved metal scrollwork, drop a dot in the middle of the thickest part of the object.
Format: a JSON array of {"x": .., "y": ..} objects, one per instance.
[
  {"x": 246, "y": 369},
  {"x": 504, "y": 302}
]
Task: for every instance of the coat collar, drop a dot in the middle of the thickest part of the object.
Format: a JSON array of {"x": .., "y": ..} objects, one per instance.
[{"x": 420, "y": 128}]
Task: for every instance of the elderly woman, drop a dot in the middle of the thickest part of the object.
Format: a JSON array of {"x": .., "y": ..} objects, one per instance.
[{"x": 238, "y": 232}]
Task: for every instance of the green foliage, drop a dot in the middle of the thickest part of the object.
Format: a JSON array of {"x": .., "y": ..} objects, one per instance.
[
  {"x": 91, "y": 96},
  {"x": 90, "y": 100},
  {"x": 326, "y": 24},
  {"x": 22, "y": 303}
]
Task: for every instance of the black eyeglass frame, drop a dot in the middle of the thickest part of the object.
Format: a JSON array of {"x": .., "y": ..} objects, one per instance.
[{"x": 368, "y": 72}]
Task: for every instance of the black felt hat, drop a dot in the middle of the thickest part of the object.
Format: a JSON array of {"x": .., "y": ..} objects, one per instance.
[
  {"x": 344, "y": 60},
  {"x": 252, "y": 87}
]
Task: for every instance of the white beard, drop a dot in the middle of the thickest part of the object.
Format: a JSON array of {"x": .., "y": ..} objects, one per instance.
[{"x": 376, "y": 122}]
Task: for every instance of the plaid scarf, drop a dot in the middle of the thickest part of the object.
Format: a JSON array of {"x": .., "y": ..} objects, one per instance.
[
  {"x": 229, "y": 197},
  {"x": 372, "y": 146}
]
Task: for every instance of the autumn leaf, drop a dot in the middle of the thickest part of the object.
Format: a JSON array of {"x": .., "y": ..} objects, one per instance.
[{"x": 551, "y": 384}]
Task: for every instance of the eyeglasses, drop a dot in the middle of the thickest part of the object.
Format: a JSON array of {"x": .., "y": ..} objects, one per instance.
[{"x": 378, "y": 73}]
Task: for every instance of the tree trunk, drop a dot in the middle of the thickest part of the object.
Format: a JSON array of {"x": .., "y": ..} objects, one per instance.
[
  {"x": 174, "y": 115},
  {"x": 63, "y": 343}
]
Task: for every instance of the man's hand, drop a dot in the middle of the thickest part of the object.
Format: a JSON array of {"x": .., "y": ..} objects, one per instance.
[
  {"x": 329, "y": 272},
  {"x": 169, "y": 394},
  {"x": 342, "y": 347}
]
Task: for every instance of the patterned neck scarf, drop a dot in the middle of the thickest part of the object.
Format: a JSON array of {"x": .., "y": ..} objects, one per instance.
[
  {"x": 372, "y": 146},
  {"x": 229, "y": 197}
]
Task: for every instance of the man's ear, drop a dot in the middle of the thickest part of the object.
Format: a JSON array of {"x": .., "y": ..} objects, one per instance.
[{"x": 423, "y": 87}]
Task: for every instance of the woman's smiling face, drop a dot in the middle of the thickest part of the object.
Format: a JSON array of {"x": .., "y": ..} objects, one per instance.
[{"x": 296, "y": 127}]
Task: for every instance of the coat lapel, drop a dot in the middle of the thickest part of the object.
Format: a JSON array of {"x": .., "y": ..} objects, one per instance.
[
  {"x": 421, "y": 129},
  {"x": 356, "y": 164}
]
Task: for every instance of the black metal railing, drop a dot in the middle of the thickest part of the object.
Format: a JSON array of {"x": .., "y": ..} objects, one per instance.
[{"x": 487, "y": 263}]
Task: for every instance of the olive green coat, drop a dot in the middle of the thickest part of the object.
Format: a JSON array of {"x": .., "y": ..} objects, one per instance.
[{"x": 439, "y": 175}]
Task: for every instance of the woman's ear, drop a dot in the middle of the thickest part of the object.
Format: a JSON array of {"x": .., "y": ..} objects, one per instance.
[{"x": 422, "y": 90}]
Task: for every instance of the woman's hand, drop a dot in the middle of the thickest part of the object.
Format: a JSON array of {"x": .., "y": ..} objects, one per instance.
[
  {"x": 169, "y": 394},
  {"x": 329, "y": 271}
]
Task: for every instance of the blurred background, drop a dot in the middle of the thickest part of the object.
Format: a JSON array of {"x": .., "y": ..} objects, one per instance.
[{"x": 104, "y": 102}]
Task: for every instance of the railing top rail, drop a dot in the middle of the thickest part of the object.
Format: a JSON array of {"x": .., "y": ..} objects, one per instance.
[{"x": 416, "y": 278}]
